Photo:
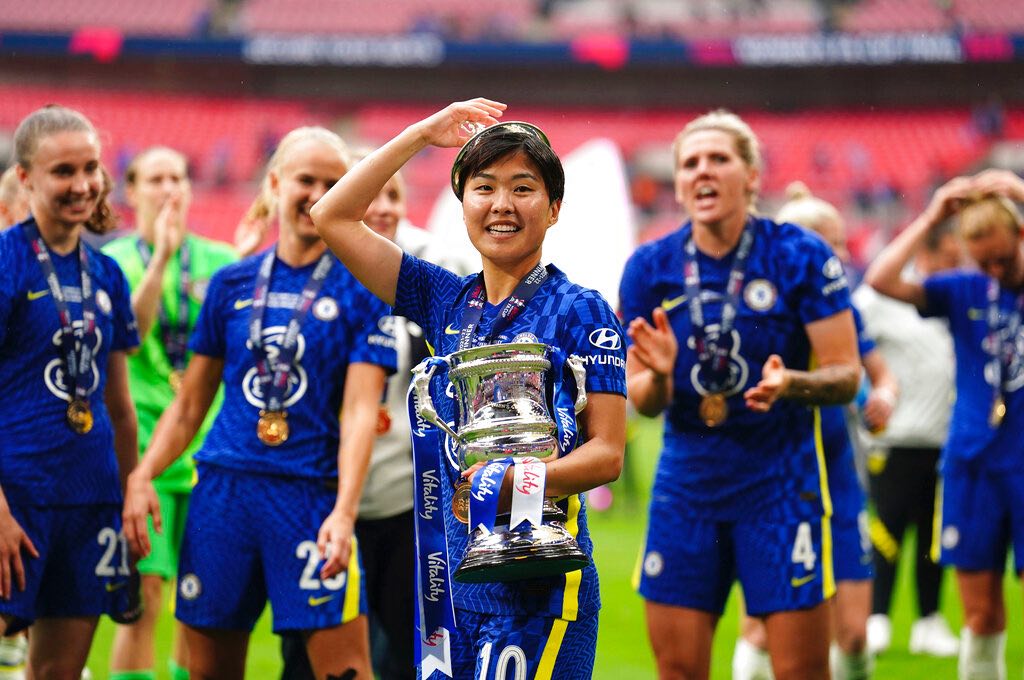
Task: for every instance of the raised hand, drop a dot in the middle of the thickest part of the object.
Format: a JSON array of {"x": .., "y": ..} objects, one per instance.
[
  {"x": 654, "y": 346},
  {"x": 1000, "y": 183},
  {"x": 250, "y": 234},
  {"x": 168, "y": 228},
  {"x": 774, "y": 380},
  {"x": 948, "y": 198},
  {"x": 457, "y": 122}
]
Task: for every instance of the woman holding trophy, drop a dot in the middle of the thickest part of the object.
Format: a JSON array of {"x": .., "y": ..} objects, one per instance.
[
  {"x": 738, "y": 325},
  {"x": 510, "y": 183}
]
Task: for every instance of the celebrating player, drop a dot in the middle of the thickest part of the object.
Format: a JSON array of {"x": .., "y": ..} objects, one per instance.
[
  {"x": 982, "y": 507},
  {"x": 295, "y": 339},
  {"x": 168, "y": 270},
  {"x": 510, "y": 183},
  {"x": 69, "y": 424},
  {"x": 725, "y": 315},
  {"x": 851, "y": 544}
]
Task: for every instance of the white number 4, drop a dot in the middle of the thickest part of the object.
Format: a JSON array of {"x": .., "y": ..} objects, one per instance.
[{"x": 803, "y": 547}]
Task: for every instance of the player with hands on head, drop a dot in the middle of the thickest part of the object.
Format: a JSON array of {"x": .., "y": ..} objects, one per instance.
[
  {"x": 296, "y": 341},
  {"x": 740, "y": 328},
  {"x": 982, "y": 512},
  {"x": 510, "y": 184},
  {"x": 168, "y": 269},
  {"x": 66, "y": 326}
]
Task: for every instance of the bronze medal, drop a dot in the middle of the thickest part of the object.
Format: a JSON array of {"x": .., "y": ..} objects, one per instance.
[
  {"x": 383, "y": 420},
  {"x": 272, "y": 428},
  {"x": 998, "y": 412},
  {"x": 460, "y": 502},
  {"x": 713, "y": 409},
  {"x": 174, "y": 379},
  {"x": 79, "y": 416}
]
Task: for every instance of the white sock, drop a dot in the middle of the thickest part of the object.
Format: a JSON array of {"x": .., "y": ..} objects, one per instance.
[
  {"x": 750, "y": 663},
  {"x": 982, "y": 657},
  {"x": 849, "y": 666}
]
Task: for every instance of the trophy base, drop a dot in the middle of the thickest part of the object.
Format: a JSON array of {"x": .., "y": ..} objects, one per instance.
[{"x": 527, "y": 553}]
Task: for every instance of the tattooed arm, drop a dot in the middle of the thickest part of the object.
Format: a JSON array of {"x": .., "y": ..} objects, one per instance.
[{"x": 833, "y": 380}]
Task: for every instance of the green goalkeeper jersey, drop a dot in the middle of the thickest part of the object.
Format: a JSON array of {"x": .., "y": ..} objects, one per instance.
[{"x": 149, "y": 369}]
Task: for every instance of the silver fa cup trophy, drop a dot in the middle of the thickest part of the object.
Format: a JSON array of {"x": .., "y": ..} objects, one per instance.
[{"x": 503, "y": 412}]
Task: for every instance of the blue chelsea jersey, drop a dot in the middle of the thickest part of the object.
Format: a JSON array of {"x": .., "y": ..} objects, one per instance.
[
  {"x": 765, "y": 463},
  {"x": 42, "y": 462},
  {"x": 346, "y": 324},
  {"x": 835, "y": 436},
  {"x": 577, "y": 320},
  {"x": 962, "y": 297}
]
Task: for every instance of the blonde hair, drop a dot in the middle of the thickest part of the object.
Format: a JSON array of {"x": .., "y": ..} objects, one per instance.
[
  {"x": 265, "y": 205},
  {"x": 805, "y": 209},
  {"x": 131, "y": 173},
  {"x": 982, "y": 215},
  {"x": 9, "y": 186},
  {"x": 748, "y": 147},
  {"x": 51, "y": 120}
]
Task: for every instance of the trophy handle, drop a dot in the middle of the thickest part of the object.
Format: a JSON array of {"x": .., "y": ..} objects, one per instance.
[
  {"x": 422, "y": 376},
  {"x": 579, "y": 371}
]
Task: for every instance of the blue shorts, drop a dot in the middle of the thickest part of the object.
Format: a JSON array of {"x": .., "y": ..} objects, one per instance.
[
  {"x": 782, "y": 566},
  {"x": 851, "y": 543},
  {"x": 82, "y": 568},
  {"x": 490, "y": 647},
  {"x": 982, "y": 514},
  {"x": 250, "y": 538}
]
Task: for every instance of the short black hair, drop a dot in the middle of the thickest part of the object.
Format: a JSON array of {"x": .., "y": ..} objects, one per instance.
[{"x": 498, "y": 141}]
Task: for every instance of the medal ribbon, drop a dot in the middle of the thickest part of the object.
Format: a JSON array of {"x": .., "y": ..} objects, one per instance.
[
  {"x": 512, "y": 308},
  {"x": 565, "y": 405},
  {"x": 79, "y": 365},
  {"x": 174, "y": 336},
  {"x": 714, "y": 355},
  {"x": 436, "y": 612},
  {"x": 483, "y": 498},
  {"x": 996, "y": 362},
  {"x": 273, "y": 379}
]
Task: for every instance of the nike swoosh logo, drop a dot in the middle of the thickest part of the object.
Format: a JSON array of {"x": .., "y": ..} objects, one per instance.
[
  {"x": 36, "y": 294},
  {"x": 973, "y": 313},
  {"x": 451, "y": 331},
  {"x": 669, "y": 304},
  {"x": 242, "y": 304},
  {"x": 797, "y": 582},
  {"x": 111, "y": 587},
  {"x": 317, "y": 601}
]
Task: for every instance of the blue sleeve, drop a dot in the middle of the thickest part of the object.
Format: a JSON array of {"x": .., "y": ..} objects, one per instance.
[
  {"x": 865, "y": 343},
  {"x": 126, "y": 330},
  {"x": 372, "y": 338},
  {"x": 424, "y": 293},
  {"x": 9, "y": 284},
  {"x": 939, "y": 293},
  {"x": 208, "y": 337},
  {"x": 636, "y": 297},
  {"x": 593, "y": 332},
  {"x": 824, "y": 288}
]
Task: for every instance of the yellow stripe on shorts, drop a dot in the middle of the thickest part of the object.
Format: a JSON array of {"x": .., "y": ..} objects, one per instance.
[
  {"x": 350, "y": 610},
  {"x": 935, "y": 550},
  {"x": 571, "y": 594},
  {"x": 828, "y": 575},
  {"x": 546, "y": 668}
]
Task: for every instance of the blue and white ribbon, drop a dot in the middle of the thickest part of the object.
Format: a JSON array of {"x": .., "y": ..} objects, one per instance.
[
  {"x": 483, "y": 496},
  {"x": 528, "y": 482},
  {"x": 436, "y": 613},
  {"x": 564, "y": 404}
]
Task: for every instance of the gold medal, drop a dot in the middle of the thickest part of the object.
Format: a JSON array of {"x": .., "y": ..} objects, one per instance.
[
  {"x": 460, "y": 502},
  {"x": 79, "y": 416},
  {"x": 175, "y": 379},
  {"x": 998, "y": 412},
  {"x": 383, "y": 419},
  {"x": 713, "y": 409},
  {"x": 272, "y": 428}
]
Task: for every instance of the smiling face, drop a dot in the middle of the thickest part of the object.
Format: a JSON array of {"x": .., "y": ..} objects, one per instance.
[
  {"x": 387, "y": 209},
  {"x": 158, "y": 176},
  {"x": 64, "y": 179},
  {"x": 712, "y": 181},
  {"x": 309, "y": 169},
  {"x": 507, "y": 212}
]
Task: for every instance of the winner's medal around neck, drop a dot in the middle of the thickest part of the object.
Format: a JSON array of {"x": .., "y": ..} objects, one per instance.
[
  {"x": 79, "y": 416},
  {"x": 272, "y": 427},
  {"x": 714, "y": 409},
  {"x": 460, "y": 501},
  {"x": 998, "y": 412},
  {"x": 174, "y": 379}
]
